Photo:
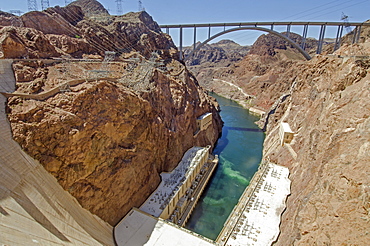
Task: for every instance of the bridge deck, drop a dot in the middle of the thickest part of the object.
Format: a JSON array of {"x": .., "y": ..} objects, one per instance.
[{"x": 275, "y": 23}]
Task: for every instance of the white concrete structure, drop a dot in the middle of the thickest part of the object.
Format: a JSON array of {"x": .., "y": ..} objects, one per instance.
[
  {"x": 34, "y": 208},
  {"x": 285, "y": 133},
  {"x": 138, "y": 228},
  {"x": 204, "y": 121},
  {"x": 176, "y": 184},
  {"x": 256, "y": 218}
]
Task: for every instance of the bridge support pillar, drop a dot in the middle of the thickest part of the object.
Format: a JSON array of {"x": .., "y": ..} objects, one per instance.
[
  {"x": 195, "y": 37},
  {"x": 358, "y": 34},
  {"x": 321, "y": 39},
  {"x": 354, "y": 35},
  {"x": 209, "y": 31},
  {"x": 338, "y": 38},
  {"x": 304, "y": 36},
  {"x": 181, "y": 56},
  {"x": 288, "y": 31}
]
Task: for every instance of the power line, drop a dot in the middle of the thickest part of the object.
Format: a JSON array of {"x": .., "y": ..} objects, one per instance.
[
  {"x": 330, "y": 8},
  {"x": 340, "y": 9},
  {"x": 308, "y": 10}
]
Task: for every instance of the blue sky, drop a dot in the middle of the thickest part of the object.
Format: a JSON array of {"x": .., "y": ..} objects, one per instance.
[{"x": 208, "y": 11}]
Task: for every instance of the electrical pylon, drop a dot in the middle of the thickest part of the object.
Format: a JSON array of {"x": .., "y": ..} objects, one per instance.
[
  {"x": 45, "y": 4},
  {"x": 32, "y": 5},
  {"x": 119, "y": 7},
  {"x": 141, "y": 8},
  {"x": 345, "y": 20}
]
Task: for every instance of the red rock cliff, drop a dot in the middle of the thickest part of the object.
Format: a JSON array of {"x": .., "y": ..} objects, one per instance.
[
  {"x": 106, "y": 140},
  {"x": 328, "y": 109},
  {"x": 326, "y": 103}
]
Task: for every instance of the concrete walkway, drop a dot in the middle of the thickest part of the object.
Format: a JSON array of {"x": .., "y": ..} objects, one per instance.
[
  {"x": 34, "y": 208},
  {"x": 255, "y": 219}
]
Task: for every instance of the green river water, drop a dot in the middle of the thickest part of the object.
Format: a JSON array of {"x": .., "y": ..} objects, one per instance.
[{"x": 240, "y": 152}]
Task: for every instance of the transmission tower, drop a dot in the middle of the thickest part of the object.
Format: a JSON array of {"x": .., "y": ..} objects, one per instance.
[
  {"x": 45, "y": 4},
  {"x": 141, "y": 8},
  {"x": 16, "y": 12},
  {"x": 345, "y": 20},
  {"x": 32, "y": 5},
  {"x": 119, "y": 7},
  {"x": 67, "y": 2}
]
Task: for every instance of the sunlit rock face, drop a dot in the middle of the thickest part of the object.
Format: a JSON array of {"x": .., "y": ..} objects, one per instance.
[
  {"x": 107, "y": 143},
  {"x": 106, "y": 140},
  {"x": 327, "y": 108},
  {"x": 326, "y": 103},
  {"x": 82, "y": 28}
]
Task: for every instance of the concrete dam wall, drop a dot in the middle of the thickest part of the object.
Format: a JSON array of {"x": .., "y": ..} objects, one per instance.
[{"x": 34, "y": 208}]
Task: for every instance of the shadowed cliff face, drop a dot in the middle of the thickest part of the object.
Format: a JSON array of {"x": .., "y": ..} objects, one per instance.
[{"x": 106, "y": 140}]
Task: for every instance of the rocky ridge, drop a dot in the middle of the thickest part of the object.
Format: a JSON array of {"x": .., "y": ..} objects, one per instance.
[
  {"x": 73, "y": 31},
  {"x": 222, "y": 53},
  {"x": 215, "y": 60},
  {"x": 267, "y": 60},
  {"x": 327, "y": 107},
  {"x": 326, "y": 103},
  {"x": 105, "y": 131}
]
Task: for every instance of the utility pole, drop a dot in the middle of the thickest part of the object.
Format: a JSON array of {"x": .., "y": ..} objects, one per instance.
[
  {"x": 345, "y": 20},
  {"x": 32, "y": 5},
  {"x": 45, "y": 4},
  {"x": 141, "y": 8},
  {"x": 119, "y": 7}
]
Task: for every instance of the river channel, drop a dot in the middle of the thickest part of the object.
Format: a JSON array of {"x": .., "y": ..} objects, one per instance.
[{"x": 240, "y": 152}]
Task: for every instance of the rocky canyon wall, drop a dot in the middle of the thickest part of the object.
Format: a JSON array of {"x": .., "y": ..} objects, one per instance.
[
  {"x": 328, "y": 109},
  {"x": 326, "y": 103},
  {"x": 107, "y": 131},
  {"x": 80, "y": 29}
]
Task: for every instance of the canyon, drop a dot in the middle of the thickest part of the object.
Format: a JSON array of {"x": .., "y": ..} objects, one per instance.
[
  {"x": 105, "y": 132},
  {"x": 105, "y": 125},
  {"x": 326, "y": 103}
]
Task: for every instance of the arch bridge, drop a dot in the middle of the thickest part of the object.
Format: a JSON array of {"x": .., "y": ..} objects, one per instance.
[{"x": 269, "y": 27}]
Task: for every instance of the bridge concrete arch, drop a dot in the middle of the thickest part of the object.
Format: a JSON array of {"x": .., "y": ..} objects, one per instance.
[{"x": 290, "y": 41}]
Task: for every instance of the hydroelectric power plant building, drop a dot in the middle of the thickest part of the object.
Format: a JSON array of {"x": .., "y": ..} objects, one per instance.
[{"x": 173, "y": 201}]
